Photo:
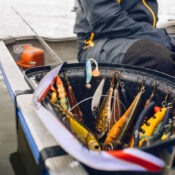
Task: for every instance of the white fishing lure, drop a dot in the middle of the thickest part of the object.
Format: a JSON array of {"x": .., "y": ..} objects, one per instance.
[{"x": 97, "y": 95}]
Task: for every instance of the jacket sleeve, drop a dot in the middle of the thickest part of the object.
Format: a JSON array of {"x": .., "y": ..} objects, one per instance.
[{"x": 107, "y": 17}]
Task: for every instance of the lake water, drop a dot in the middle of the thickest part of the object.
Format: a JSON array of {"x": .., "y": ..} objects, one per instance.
[{"x": 50, "y": 19}]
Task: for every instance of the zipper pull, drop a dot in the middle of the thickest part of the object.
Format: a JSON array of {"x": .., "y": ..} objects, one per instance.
[{"x": 90, "y": 42}]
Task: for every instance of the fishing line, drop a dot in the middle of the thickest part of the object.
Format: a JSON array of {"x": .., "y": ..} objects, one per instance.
[
  {"x": 44, "y": 44},
  {"x": 86, "y": 99}
]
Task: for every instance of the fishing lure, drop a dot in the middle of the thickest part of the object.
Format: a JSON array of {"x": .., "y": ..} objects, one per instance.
[
  {"x": 73, "y": 102},
  {"x": 97, "y": 95},
  {"x": 84, "y": 134},
  {"x": 124, "y": 95},
  {"x": 116, "y": 129},
  {"x": 161, "y": 128},
  {"x": 90, "y": 73},
  {"x": 143, "y": 117},
  {"x": 148, "y": 127},
  {"x": 96, "y": 71},
  {"x": 53, "y": 95},
  {"x": 146, "y": 111},
  {"x": 118, "y": 142},
  {"x": 61, "y": 93},
  {"x": 116, "y": 107},
  {"x": 103, "y": 118}
]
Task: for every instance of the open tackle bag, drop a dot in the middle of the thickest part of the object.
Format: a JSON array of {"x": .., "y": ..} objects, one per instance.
[{"x": 85, "y": 140}]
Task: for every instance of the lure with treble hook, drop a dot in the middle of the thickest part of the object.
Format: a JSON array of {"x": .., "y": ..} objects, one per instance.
[
  {"x": 146, "y": 111},
  {"x": 116, "y": 129},
  {"x": 124, "y": 95},
  {"x": 90, "y": 73},
  {"x": 72, "y": 101},
  {"x": 61, "y": 93},
  {"x": 53, "y": 94},
  {"x": 116, "y": 107},
  {"x": 149, "y": 126},
  {"x": 84, "y": 134},
  {"x": 149, "y": 105},
  {"x": 119, "y": 140},
  {"x": 97, "y": 95},
  {"x": 103, "y": 118}
]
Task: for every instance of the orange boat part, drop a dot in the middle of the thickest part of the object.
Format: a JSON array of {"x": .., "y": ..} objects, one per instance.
[{"x": 31, "y": 56}]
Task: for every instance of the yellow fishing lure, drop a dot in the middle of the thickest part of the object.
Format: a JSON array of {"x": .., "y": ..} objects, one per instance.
[
  {"x": 149, "y": 126},
  {"x": 84, "y": 134}
]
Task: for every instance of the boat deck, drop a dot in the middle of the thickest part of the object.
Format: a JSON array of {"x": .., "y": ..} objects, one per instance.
[{"x": 37, "y": 136}]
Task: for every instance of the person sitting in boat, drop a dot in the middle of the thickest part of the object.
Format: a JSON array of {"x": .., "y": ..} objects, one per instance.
[{"x": 123, "y": 32}]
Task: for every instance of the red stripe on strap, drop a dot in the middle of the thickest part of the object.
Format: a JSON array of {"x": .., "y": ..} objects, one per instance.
[
  {"x": 130, "y": 158},
  {"x": 47, "y": 90}
]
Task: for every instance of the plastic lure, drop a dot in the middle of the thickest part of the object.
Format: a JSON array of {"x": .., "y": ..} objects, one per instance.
[
  {"x": 115, "y": 131},
  {"x": 146, "y": 112},
  {"x": 88, "y": 73},
  {"x": 116, "y": 108},
  {"x": 97, "y": 95},
  {"x": 83, "y": 133},
  {"x": 124, "y": 95},
  {"x": 53, "y": 95},
  {"x": 149, "y": 126},
  {"x": 61, "y": 93},
  {"x": 96, "y": 71},
  {"x": 119, "y": 140},
  {"x": 103, "y": 118},
  {"x": 72, "y": 101},
  {"x": 161, "y": 127}
]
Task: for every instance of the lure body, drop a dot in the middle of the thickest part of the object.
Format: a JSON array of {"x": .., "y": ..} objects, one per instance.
[
  {"x": 88, "y": 73},
  {"x": 53, "y": 95},
  {"x": 116, "y": 108},
  {"x": 61, "y": 93},
  {"x": 149, "y": 127},
  {"x": 84, "y": 134},
  {"x": 103, "y": 118},
  {"x": 97, "y": 95},
  {"x": 145, "y": 112},
  {"x": 124, "y": 94},
  {"x": 119, "y": 140},
  {"x": 115, "y": 131},
  {"x": 72, "y": 101}
]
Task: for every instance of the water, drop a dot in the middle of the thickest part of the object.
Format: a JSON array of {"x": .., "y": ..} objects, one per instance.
[
  {"x": 166, "y": 11},
  {"x": 51, "y": 18}
]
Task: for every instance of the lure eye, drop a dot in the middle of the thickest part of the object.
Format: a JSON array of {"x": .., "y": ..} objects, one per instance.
[{"x": 93, "y": 145}]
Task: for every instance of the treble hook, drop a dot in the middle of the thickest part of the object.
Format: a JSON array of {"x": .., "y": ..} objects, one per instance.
[
  {"x": 164, "y": 103},
  {"x": 152, "y": 95},
  {"x": 142, "y": 86}
]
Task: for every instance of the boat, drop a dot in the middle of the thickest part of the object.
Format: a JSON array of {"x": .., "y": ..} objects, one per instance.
[{"x": 37, "y": 149}]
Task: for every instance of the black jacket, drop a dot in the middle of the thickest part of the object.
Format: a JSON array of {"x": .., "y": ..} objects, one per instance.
[{"x": 128, "y": 19}]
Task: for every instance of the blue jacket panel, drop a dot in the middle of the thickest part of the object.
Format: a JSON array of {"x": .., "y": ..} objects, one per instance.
[{"x": 129, "y": 19}]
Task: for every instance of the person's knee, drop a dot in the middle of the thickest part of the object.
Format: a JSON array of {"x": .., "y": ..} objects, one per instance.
[{"x": 150, "y": 55}]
